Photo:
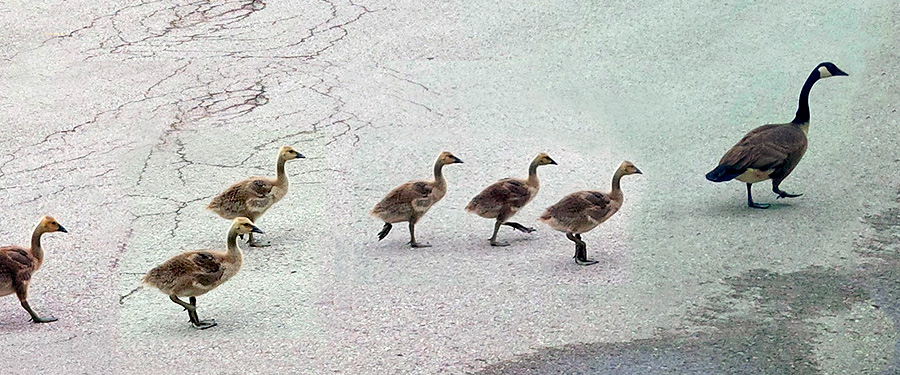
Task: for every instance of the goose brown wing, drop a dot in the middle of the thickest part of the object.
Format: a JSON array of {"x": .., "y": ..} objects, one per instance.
[{"x": 765, "y": 148}]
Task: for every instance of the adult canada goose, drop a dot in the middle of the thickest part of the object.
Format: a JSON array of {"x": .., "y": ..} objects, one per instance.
[
  {"x": 17, "y": 264},
  {"x": 582, "y": 211},
  {"x": 194, "y": 273},
  {"x": 502, "y": 199},
  {"x": 772, "y": 151},
  {"x": 251, "y": 198},
  {"x": 410, "y": 201}
]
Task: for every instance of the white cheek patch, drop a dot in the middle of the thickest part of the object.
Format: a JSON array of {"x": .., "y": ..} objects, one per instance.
[{"x": 823, "y": 72}]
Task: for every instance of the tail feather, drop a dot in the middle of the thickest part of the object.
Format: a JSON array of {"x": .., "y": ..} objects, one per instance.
[{"x": 723, "y": 173}]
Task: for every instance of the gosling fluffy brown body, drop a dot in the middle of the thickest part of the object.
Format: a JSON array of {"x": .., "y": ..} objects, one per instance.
[
  {"x": 194, "y": 273},
  {"x": 17, "y": 264},
  {"x": 772, "y": 151},
  {"x": 410, "y": 201},
  {"x": 583, "y": 211},
  {"x": 252, "y": 197},
  {"x": 503, "y": 199}
]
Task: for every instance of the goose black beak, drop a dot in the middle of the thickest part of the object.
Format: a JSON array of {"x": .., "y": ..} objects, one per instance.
[
  {"x": 638, "y": 171},
  {"x": 62, "y": 229},
  {"x": 840, "y": 73},
  {"x": 456, "y": 160},
  {"x": 256, "y": 229}
]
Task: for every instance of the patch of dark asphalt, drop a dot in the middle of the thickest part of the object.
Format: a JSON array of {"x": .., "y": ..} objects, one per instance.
[{"x": 762, "y": 326}]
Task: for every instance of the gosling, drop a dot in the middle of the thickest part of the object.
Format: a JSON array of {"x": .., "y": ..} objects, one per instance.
[
  {"x": 410, "y": 201},
  {"x": 193, "y": 273},
  {"x": 502, "y": 199}
]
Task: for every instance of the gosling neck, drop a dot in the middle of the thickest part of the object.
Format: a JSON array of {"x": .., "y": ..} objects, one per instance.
[
  {"x": 439, "y": 175},
  {"x": 532, "y": 175},
  {"x": 234, "y": 250},
  {"x": 616, "y": 191},
  {"x": 281, "y": 179},
  {"x": 802, "y": 116},
  {"x": 36, "y": 249}
]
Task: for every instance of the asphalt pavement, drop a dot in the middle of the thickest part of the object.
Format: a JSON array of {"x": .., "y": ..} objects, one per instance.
[{"x": 123, "y": 118}]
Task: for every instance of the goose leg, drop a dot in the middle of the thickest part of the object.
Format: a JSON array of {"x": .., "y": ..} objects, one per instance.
[
  {"x": 192, "y": 313},
  {"x": 493, "y": 239},
  {"x": 384, "y": 231},
  {"x": 22, "y": 292},
  {"x": 255, "y": 243},
  {"x": 412, "y": 236},
  {"x": 750, "y": 202},
  {"x": 519, "y": 227}
]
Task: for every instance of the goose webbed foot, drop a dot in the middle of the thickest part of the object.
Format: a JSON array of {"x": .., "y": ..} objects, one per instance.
[
  {"x": 520, "y": 227},
  {"x": 384, "y": 231},
  {"x": 783, "y": 194},
  {"x": 499, "y": 243},
  {"x": 752, "y": 204},
  {"x": 419, "y": 244}
]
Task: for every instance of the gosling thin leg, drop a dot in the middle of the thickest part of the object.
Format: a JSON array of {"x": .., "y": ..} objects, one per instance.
[
  {"x": 34, "y": 316},
  {"x": 384, "y": 231},
  {"x": 580, "y": 250},
  {"x": 21, "y": 289},
  {"x": 750, "y": 202},
  {"x": 412, "y": 236},
  {"x": 493, "y": 238},
  {"x": 519, "y": 227},
  {"x": 192, "y": 313},
  {"x": 255, "y": 243}
]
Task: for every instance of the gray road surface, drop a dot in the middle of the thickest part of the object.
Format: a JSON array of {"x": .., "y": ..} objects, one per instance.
[{"x": 122, "y": 119}]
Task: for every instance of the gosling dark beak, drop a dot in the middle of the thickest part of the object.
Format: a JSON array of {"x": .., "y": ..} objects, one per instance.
[
  {"x": 839, "y": 72},
  {"x": 553, "y": 162},
  {"x": 456, "y": 160},
  {"x": 62, "y": 229},
  {"x": 256, "y": 229},
  {"x": 637, "y": 171},
  {"x": 300, "y": 156}
]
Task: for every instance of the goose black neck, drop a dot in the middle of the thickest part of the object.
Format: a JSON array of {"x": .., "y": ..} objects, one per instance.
[{"x": 802, "y": 116}]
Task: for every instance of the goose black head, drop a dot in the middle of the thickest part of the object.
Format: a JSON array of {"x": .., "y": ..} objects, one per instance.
[{"x": 827, "y": 69}]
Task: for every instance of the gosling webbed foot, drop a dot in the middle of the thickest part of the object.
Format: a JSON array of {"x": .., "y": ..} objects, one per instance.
[
  {"x": 585, "y": 261},
  {"x": 48, "y": 319},
  {"x": 758, "y": 205},
  {"x": 204, "y": 324},
  {"x": 520, "y": 227},
  {"x": 419, "y": 244},
  {"x": 384, "y": 231},
  {"x": 499, "y": 243},
  {"x": 260, "y": 243}
]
